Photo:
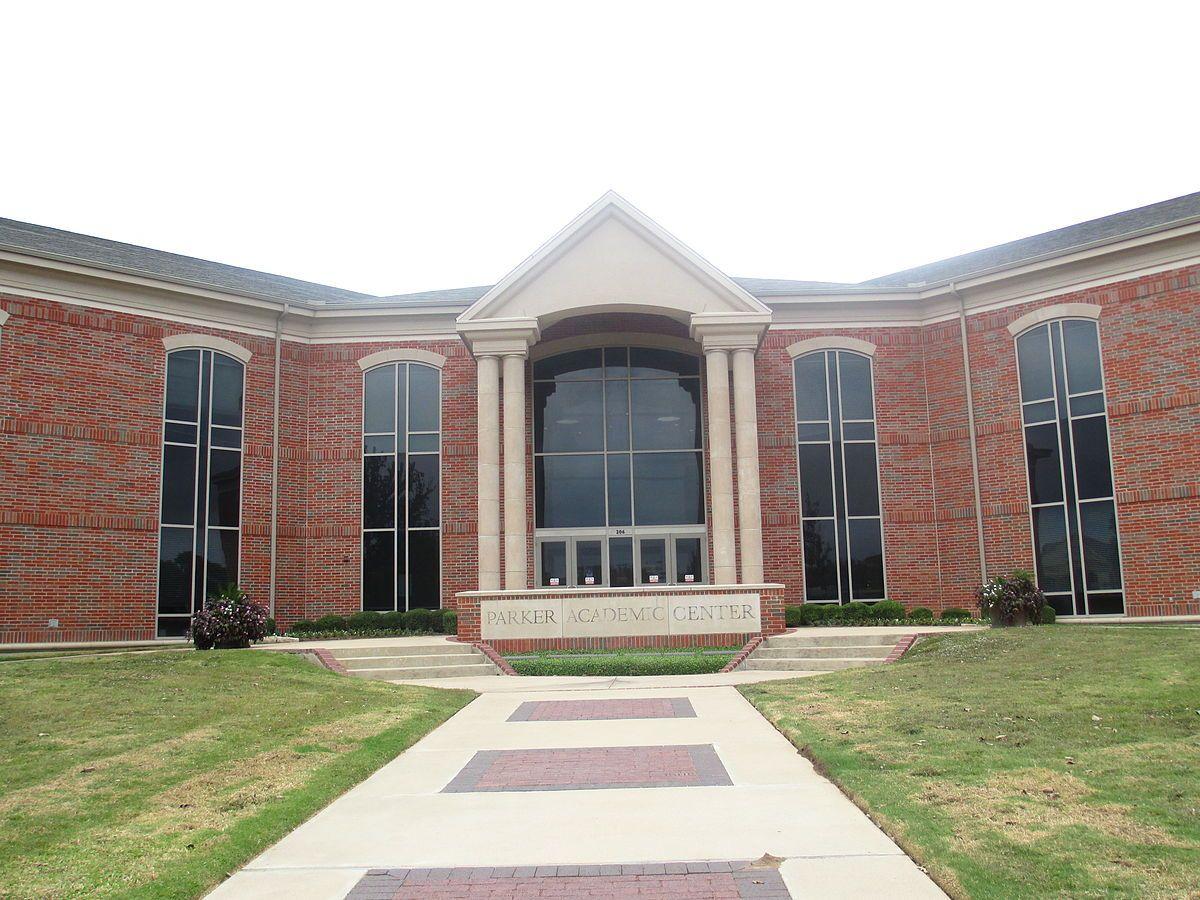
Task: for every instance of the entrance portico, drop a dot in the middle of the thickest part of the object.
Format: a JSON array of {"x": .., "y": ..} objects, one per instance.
[{"x": 613, "y": 261}]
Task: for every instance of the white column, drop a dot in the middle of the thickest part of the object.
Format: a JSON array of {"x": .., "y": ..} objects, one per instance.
[
  {"x": 515, "y": 532},
  {"x": 488, "y": 487},
  {"x": 720, "y": 464},
  {"x": 745, "y": 416}
]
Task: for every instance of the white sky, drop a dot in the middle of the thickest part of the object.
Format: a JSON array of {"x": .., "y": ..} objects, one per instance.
[{"x": 397, "y": 147}]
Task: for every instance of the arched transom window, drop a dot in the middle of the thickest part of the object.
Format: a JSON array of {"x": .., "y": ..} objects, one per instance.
[
  {"x": 401, "y": 545},
  {"x": 839, "y": 477},
  {"x": 199, "y": 536},
  {"x": 618, "y": 468},
  {"x": 1071, "y": 498}
]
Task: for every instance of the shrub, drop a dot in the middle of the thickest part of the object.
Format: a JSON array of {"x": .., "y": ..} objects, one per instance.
[
  {"x": 1048, "y": 615},
  {"x": 449, "y": 621},
  {"x": 331, "y": 623},
  {"x": 229, "y": 619},
  {"x": 954, "y": 613},
  {"x": 816, "y": 613},
  {"x": 854, "y": 612},
  {"x": 1012, "y": 599},
  {"x": 270, "y": 626},
  {"x": 364, "y": 621},
  {"x": 886, "y": 609},
  {"x": 921, "y": 614},
  {"x": 418, "y": 620},
  {"x": 793, "y": 616}
]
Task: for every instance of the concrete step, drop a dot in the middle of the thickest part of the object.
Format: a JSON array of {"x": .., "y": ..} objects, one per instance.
[
  {"x": 806, "y": 665},
  {"x": 441, "y": 648},
  {"x": 391, "y": 673},
  {"x": 396, "y": 661},
  {"x": 877, "y": 651},
  {"x": 813, "y": 637}
]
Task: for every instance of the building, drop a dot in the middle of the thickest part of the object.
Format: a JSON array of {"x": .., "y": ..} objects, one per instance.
[{"x": 616, "y": 433}]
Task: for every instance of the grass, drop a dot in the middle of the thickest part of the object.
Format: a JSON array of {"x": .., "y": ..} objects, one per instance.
[
  {"x": 630, "y": 661},
  {"x": 156, "y": 774},
  {"x": 1034, "y": 762}
]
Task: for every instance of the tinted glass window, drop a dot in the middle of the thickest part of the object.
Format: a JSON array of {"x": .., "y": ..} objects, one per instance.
[
  {"x": 1045, "y": 470},
  {"x": 175, "y": 571},
  {"x": 650, "y": 363},
  {"x": 226, "y": 391},
  {"x": 575, "y": 366},
  {"x": 570, "y": 491},
  {"x": 620, "y": 562},
  {"x": 654, "y": 560},
  {"x": 568, "y": 417},
  {"x": 688, "y": 560},
  {"x": 379, "y": 399},
  {"x": 378, "y": 562},
  {"x": 666, "y": 414},
  {"x": 820, "y": 560},
  {"x": 179, "y": 485},
  {"x": 222, "y": 559},
  {"x": 183, "y": 385},
  {"x": 862, "y": 484},
  {"x": 224, "y": 487},
  {"x": 423, "y": 492},
  {"x": 588, "y": 563},
  {"x": 1098, "y": 523},
  {"x": 620, "y": 500},
  {"x": 816, "y": 480},
  {"x": 554, "y": 563},
  {"x": 812, "y": 431},
  {"x": 1093, "y": 475},
  {"x": 616, "y": 411},
  {"x": 379, "y": 492},
  {"x": 1082, "y": 345},
  {"x": 424, "y": 398},
  {"x": 667, "y": 489},
  {"x": 1033, "y": 361},
  {"x": 1050, "y": 546},
  {"x": 424, "y": 569},
  {"x": 812, "y": 399},
  {"x": 866, "y": 559},
  {"x": 855, "y": 386}
]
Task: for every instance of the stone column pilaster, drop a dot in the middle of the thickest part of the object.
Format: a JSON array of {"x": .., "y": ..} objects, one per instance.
[
  {"x": 516, "y": 536},
  {"x": 745, "y": 415},
  {"x": 720, "y": 464},
  {"x": 488, "y": 487}
]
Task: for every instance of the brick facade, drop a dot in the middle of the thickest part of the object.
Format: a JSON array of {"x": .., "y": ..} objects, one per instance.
[{"x": 80, "y": 444}]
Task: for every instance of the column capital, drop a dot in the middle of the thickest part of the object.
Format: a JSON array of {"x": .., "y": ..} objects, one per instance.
[
  {"x": 500, "y": 337},
  {"x": 729, "y": 331}
]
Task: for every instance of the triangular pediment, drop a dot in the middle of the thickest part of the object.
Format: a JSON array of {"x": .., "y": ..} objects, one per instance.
[{"x": 612, "y": 258}]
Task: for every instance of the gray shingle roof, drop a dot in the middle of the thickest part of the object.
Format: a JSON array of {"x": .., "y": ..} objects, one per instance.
[
  {"x": 1059, "y": 240},
  {"x": 71, "y": 247},
  {"x": 53, "y": 243}
]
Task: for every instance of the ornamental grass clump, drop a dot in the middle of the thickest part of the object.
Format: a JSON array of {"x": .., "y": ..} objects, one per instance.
[
  {"x": 229, "y": 620},
  {"x": 1012, "y": 599}
]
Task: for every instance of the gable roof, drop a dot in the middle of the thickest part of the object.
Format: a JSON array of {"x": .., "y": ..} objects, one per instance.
[
  {"x": 71, "y": 247},
  {"x": 1120, "y": 225}
]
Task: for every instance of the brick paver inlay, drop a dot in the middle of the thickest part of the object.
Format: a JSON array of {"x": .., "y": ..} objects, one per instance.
[
  {"x": 736, "y": 880},
  {"x": 591, "y": 768},
  {"x": 588, "y": 710}
]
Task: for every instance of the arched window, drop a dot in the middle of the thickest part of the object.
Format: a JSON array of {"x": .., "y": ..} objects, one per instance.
[
  {"x": 618, "y": 468},
  {"x": 839, "y": 477},
  {"x": 200, "y": 513},
  {"x": 1071, "y": 499},
  {"x": 401, "y": 544}
]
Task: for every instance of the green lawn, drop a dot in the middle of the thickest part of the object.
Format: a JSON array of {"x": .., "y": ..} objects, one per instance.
[
  {"x": 156, "y": 774},
  {"x": 631, "y": 661},
  {"x": 1031, "y": 762}
]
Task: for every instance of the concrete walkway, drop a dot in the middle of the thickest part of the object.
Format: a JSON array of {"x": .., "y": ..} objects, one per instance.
[{"x": 661, "y": 790}]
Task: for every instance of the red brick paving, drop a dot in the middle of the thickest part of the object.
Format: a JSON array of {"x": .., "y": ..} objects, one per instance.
[
  {"x": 590, "y": 710},
  {"x": 719, "y": 880},
  {"x": 591, "y": 768}
]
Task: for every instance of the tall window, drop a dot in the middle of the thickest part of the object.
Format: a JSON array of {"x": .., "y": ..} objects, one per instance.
[
  {"x": 201, "y": 484},
  {"x": 618, "y": 468},
  {"x": 401, "y": 487},
  {"x": 1072, "y": 506},
  {"x": 839, "y": 477}
]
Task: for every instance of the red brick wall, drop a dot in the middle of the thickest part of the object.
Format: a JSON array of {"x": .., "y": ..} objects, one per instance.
[{"x": 80, "y": 432}]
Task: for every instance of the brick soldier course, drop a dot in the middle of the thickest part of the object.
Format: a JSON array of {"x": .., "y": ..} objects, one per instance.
[{"x": 83, "y": 366}]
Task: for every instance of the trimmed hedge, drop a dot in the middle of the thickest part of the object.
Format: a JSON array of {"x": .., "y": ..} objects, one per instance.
[
  {"x": 414, "y": 621},
  {"x": 884, "y": 612}
]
